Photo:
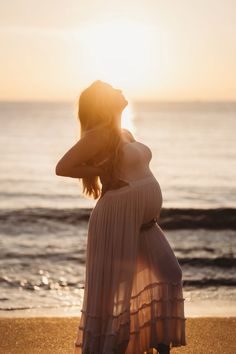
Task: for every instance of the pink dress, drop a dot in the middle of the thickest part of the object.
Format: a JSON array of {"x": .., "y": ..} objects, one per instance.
[{"x": 133, "y": 296}]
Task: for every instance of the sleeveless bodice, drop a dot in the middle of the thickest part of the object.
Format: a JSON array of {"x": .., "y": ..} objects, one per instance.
[
  {"x": 129, "y": 163},
  {"x": 133, "y": 161}
]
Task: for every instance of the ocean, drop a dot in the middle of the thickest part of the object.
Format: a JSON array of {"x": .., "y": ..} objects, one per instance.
[{"x": 44, "y": 217}]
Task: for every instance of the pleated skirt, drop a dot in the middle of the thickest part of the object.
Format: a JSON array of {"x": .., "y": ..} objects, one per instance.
[{"x": 133, "y": 295}]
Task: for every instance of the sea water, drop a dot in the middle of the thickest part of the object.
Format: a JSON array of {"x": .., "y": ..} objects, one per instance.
[{"x": 43, "y": 217}]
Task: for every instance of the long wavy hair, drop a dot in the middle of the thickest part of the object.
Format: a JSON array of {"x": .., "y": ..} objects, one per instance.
[{"x": 97, "y": 106}]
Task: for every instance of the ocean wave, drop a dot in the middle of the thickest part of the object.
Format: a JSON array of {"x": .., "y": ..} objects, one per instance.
[
  {"x": 226, "y": 261},
  {"x": 170, "y": 218},
  {"x": 63, "y": 284}
]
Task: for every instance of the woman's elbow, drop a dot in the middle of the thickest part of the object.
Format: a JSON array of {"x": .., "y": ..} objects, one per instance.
[
  {"x": 68, "y": 171},
  {"x": 60, "y": 171}
]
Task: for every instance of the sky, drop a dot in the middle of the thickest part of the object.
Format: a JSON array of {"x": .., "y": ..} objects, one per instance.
[{"x": 153, "y": 50}]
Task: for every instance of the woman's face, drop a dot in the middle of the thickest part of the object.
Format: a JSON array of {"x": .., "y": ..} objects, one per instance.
[{"x": 119, "y": 99}]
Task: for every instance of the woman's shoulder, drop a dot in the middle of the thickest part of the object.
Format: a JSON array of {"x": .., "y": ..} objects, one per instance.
[{"x": 128, "y": 134}]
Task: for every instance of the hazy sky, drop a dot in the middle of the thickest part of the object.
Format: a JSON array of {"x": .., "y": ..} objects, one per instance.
[{"x": 164, "y": 50}]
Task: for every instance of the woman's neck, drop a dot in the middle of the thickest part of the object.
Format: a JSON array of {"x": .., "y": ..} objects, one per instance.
[{"x": 117, "y": 118}]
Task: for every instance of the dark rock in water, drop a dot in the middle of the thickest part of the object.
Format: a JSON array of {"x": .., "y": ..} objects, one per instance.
[
  {"x": 221, "y": 262},
  {"x": 201, "y": 283},
  {"x": 219, "y": 218}
]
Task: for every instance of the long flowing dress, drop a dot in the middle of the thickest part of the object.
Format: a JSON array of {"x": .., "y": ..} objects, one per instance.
[{"x": 133, "y": 295}]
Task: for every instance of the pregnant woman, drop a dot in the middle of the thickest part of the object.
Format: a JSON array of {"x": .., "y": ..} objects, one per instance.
[{"x": 133, "y": 297}]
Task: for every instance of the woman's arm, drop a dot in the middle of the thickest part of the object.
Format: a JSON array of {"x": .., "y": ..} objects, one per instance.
[
  {"x": 73, "y": 163},
  {"x": 81, "y": 171}
]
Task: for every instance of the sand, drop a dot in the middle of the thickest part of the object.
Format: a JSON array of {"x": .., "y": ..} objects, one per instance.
[{"x": 205, "y": 335}]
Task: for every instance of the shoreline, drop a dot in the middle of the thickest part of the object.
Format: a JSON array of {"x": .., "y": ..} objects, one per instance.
[{"x": 193, "y": 309}]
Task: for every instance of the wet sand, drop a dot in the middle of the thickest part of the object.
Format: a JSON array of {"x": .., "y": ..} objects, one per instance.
[{"x": 45, "y": 335}]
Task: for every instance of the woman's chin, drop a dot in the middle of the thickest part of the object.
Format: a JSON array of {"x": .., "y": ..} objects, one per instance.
[
  {"x": 125, "y": 103},
  {"x": 122, "y": 105}
]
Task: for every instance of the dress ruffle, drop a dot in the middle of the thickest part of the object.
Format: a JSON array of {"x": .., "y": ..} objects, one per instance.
[{"x": 144, "y": 324}]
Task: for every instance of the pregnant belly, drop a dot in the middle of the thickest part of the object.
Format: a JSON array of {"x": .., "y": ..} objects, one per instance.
[{"x": 153, "y": 200}]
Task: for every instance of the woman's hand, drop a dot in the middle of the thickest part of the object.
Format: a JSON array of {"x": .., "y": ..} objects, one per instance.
[
  {"x": 104, "y": 172},
  {"x": 75, "y": 162}
]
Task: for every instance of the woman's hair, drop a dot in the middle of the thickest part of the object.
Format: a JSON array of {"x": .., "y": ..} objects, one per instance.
[{"x": 97, "y": 105}]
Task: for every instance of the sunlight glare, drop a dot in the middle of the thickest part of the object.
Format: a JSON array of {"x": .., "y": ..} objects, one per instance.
[
  {"x": 127, "y": 118},
  {"x": 119, "y": 52}
]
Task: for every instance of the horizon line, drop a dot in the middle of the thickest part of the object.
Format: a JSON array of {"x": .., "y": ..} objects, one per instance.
[{"x": 143, "y": 101}]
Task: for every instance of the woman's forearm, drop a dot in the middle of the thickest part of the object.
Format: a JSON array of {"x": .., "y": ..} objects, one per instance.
[{"x": 81, "y": 171}]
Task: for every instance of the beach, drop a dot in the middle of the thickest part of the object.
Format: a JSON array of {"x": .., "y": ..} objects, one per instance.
[
  {"x": 146, "y": 91},
  {"x": 55, "y": 335}
]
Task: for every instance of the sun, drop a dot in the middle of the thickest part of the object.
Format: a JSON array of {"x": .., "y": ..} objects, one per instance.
[
  {"x": 118, "y": 52},
  {"x": 121, "y": 53}
]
